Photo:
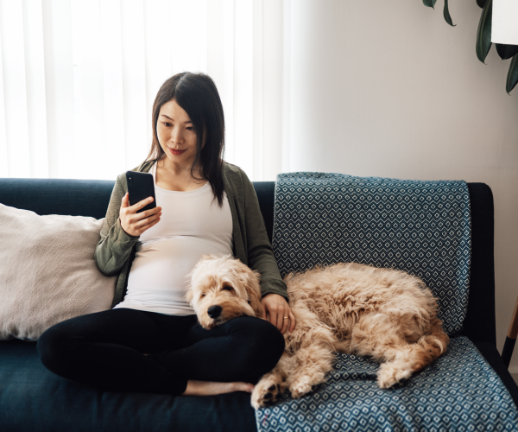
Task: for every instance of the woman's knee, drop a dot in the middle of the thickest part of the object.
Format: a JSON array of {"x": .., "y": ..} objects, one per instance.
[
  {"x": 266, "y": 342},
  {"x": 271, "y": 338}
]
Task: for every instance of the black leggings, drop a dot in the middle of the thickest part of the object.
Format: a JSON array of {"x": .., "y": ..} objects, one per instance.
[{"x": 105, "y": 350}]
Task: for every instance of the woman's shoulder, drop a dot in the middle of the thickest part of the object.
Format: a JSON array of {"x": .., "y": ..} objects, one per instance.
[
  {"x": 236, "y": 181},
  {"x": 233, "y": 171}
]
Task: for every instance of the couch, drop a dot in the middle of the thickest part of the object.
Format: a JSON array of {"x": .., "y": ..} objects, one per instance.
[{"x": 33, "y": 399}]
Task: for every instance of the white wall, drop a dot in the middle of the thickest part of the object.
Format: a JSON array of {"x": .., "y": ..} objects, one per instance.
[{"x": 388, "y": 89}]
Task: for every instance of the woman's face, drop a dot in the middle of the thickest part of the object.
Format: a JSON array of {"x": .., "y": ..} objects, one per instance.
[{"x": 176, "y": 134}]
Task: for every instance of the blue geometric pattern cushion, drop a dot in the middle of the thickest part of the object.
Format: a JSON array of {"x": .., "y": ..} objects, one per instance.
[
  {"x": 458, "y": 392},
  {"x": 421, "y": 227}
]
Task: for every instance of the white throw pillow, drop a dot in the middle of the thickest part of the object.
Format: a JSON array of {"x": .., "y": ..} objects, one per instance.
[{"x": 47, "y": 271}]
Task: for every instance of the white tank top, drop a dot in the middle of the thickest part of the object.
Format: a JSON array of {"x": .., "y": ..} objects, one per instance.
[{"x": 192, "y": 224}]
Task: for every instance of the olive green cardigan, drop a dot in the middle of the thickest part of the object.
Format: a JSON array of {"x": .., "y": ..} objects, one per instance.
[{"x": 116, "y": 249}]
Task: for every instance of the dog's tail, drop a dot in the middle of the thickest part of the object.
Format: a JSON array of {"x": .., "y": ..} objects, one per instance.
[{"x": 432, "y": 345}]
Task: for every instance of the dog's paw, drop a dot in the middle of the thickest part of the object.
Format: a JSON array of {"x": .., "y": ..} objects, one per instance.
[
  {"x": 389, "y": 376},
  {"x": 266, "y": 392},
  {"x": 301, "y": 387}
]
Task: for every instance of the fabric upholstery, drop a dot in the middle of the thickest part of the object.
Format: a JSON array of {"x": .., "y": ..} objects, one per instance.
[{"x": 57, "y": 196}]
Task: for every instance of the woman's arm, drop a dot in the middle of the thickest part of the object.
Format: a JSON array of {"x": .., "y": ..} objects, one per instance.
[
  {"x": 115, "y": 246},
  {"x": 259, "y": 249},
  {"x": 261, "y": 258}
]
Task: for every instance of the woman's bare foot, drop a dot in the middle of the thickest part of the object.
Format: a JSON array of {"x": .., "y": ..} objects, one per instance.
[{"x": 207, "y": 388}]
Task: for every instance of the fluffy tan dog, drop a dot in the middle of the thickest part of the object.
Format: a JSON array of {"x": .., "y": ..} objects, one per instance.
[
  {"x": 350, "y": 308},
  {"x": 223, "y": 288}
]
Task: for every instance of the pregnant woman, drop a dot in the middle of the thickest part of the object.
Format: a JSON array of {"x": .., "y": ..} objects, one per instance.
[{"x": 151, "y": 341}]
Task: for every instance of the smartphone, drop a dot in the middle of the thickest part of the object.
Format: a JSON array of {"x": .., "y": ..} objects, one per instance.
[{"x": 141, "y": 186}]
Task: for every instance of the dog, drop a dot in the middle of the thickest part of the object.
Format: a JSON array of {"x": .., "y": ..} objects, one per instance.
[{"x": 352, "y": 308}]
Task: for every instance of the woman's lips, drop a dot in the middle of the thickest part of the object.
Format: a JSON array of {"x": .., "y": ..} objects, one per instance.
[{"x": 176, "y": 152}]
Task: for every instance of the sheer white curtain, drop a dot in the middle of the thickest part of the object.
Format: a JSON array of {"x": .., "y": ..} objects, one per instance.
[{"x": 78, "y": 79}]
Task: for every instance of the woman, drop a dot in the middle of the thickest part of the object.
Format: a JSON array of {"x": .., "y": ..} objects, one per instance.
[{"x": 150, "y": 341}]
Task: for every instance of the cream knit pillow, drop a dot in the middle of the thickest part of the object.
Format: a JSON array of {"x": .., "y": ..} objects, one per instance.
[{"x": 47, "y": 271}]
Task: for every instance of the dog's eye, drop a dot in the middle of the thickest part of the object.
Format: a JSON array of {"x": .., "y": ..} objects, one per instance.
[
  {"x": 227, "y": 288},
  {"x": 202, "y": 295}
]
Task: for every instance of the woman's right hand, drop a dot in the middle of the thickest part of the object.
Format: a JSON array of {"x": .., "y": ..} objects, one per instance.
[{"x": 133, "y": 223}]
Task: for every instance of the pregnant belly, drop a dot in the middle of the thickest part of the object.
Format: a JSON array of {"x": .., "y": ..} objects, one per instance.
[{"x": 163, "y": 265}]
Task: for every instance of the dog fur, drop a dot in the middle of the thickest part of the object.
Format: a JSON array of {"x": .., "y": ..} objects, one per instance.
[
  {"x": 352, "y": 308},
  {"x": 228, "y": 283}
]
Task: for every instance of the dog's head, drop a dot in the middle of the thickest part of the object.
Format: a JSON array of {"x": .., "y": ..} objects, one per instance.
[{"x": 223, "y": 288}]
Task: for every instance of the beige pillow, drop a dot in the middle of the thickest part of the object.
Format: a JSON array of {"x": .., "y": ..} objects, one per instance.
[{"x": 47, "y": 271}]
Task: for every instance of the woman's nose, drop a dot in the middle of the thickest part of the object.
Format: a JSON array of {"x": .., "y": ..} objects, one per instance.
[{"x": 176, "y": 136}]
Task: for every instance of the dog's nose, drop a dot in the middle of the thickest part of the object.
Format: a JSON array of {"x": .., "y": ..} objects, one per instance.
[{"x": 214, "y": 311}]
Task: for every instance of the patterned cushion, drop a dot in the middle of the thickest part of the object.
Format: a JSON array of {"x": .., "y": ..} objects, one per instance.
[
  {"x": 458, "y": 392},
  {"x": 422, "y": 227}
]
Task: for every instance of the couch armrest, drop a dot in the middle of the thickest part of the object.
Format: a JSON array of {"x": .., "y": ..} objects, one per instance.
[{"x": 480, "y": 322}]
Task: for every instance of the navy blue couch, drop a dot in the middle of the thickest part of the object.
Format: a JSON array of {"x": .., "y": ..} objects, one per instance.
[{"x": 33, "y": 399}]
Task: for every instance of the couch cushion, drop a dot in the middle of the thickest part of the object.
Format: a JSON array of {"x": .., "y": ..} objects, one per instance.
[
  {"x": 422, "y": 227},
  {"x": 48, "y": 273},
  {"x": 459, "y": 391},
  {"x": 34, "y": 399}
]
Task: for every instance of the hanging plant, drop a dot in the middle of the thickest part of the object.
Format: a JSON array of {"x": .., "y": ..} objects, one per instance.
[{"x": 483, "y": 44}]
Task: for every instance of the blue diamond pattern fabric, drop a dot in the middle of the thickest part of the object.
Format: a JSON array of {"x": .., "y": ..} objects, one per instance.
[
  {"x": 458, "y": 392},
  {"x": 421, "y": 227}
]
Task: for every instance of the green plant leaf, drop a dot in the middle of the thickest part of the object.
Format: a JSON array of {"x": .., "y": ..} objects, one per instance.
[
  {"x": 446, "y": 14},
  {"x": 429, "y": 3},
  {"x": 512, "y": 76},
  {"x": 506, "y": 51},
  {"x": 481, "y": 3},
  {"x": 484, "y": 32}
]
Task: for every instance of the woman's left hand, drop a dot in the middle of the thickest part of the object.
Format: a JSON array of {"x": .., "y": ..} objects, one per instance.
[{"x": 277, "y": 311}]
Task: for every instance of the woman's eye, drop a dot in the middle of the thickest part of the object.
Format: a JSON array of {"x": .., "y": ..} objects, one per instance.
[
  {"x": 190, "y": 128},
  {"x": 167, "y": 124}
]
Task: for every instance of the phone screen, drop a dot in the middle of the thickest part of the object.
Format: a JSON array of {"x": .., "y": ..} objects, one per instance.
[{"x": 141, "y": 186}]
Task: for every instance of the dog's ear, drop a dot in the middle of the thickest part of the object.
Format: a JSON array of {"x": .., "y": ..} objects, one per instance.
[{"x": 253, "y": 290}]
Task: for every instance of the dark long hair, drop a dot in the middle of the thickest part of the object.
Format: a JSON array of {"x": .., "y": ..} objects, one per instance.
[{"x": 197, "y": 94}]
